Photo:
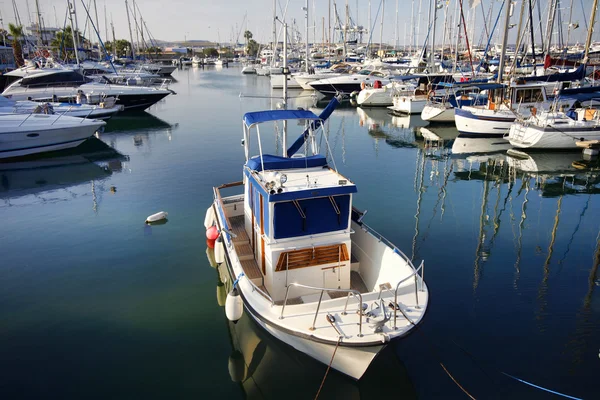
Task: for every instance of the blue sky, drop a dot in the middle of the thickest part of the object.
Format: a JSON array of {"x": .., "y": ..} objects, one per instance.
[{"x": 223, "y": 19}]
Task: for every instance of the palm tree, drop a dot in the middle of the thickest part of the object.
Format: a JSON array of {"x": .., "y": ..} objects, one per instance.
[
  {"x": 4, "y": 36},
  {"x": 247, "y": 36},
  {"x": 16, "y": 31}
]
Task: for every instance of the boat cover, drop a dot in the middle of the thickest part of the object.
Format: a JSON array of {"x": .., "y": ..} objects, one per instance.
[
  {"x": 576, "y": 75},
  {"x": 258, "y": 117},
  {"x": 272, "y": 162}
]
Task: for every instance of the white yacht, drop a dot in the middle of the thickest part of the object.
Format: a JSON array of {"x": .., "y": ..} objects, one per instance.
[
  {"x": 64, "y": 85},
  {"x": 303, "y": 263},
  {"x": 379, "y": 95},
  {"x": 557, "y": 129},
  {"x": 24, "y": 134},
  {"x": 103, "y": 111}
]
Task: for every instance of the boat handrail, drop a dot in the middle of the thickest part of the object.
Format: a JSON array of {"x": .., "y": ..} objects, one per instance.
[
  {"x": 383, "y": 239},
  {"x": 323, "y": 290},
  {"x": 396, "y": 306}
]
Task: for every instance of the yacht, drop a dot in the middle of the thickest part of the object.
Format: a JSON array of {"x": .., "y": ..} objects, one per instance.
[
  {"x": 104, "y": 110},
  {"x": 382, "y": 96},
  {"x": 25, "y": 134},
  {"x": 347, "y": 84},
  {"x": 303, "y": 263},
  {"x": 440, "y": 108},
  {"x": 64, "y": 85},
  {"x": 557, "y": 128},
  {"x": 524, "y": 95}
]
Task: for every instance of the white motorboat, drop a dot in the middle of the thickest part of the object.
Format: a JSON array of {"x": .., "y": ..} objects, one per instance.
[
  {"x": 555, "y": 130},
  {"x": 304, "y": 79},
  {"x": 249, "y": 69},
  {"x": 496, "y": 117},
  {"x": 277, "y": 81},
  {"x": 305, "y": 266},
  {"x": 104, "y": 110},
  {"x": 64, "y": 85},
  {"x": 349, "y": 83},
  {"x": 24, "y": 134},
  {"x": 376, "y": 96}
]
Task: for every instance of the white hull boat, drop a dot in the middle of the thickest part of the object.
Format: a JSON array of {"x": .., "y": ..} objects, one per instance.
[
  {"x": 439, "y": 112},
  {"x": 25, "y": 134},
  {"x": 277, "y": 82},
  {"x": 304, "y": 265},
  {"x": 410, "y": 104},
  {"x": 103, "y": 111},
  {"x": 553, "y": 131}
]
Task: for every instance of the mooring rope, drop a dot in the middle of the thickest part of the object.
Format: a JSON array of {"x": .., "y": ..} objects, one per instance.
[
  {"x": 328, "y": 367},
  {"x": 457, "y": 384},
  {"x": 542, "y": 388}
]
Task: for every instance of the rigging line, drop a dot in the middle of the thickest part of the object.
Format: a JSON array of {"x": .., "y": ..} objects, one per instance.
[
  {"x": 457, "y": 384},
  {"x": 587, "y": 203}
]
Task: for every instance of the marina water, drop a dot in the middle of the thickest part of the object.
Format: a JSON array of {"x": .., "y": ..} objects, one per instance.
[{"x": 96, "y": 304}]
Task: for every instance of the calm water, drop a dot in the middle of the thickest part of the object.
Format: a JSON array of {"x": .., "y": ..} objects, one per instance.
[{"x": 94, "y": 304}]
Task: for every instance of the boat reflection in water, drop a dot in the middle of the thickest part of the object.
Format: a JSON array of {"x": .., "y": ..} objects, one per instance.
[
  {"x": 93, "y": 161},
  {"x": 266, "y": 368},
  {"x": 133, "y": 122}
]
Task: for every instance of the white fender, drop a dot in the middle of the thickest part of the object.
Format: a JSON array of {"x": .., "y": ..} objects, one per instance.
[
  {"x": 209, "y": 219},
  {"x": 234, "y": 306},
  {"x": 219, "y": 250},
  {"x": 157, "y": 217}
]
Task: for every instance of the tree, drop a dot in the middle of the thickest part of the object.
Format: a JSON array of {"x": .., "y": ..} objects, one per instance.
[
  {"x": 16, "y": 31},
  {"x": 123, "y": 47},
  {"x": 64, "y": 40},
  {"x": 252, "y": 48},
  {"x": 247, "y": 35},
  {"x": 210, "y": 52},
  {"x": 3, "y": 36}
]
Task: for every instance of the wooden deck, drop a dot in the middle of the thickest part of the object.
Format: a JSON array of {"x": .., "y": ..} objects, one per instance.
[{"x": 244, "y": 251}]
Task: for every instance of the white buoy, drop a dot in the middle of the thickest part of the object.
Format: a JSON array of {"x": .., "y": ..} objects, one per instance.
[
  {"x": 234, "y": 306},
  {"x": 219, "y": 250},
  {"x": 157, "y": 217},
  {"x": 209, "y": 219}
]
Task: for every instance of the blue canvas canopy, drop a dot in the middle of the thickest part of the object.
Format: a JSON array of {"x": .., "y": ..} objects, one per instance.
[
  {"x": 581, "y": 96},
  {"x": 576, "y": 75},
  {"x": 258, "y": 117},
  {"x": 272, "y": 162}
]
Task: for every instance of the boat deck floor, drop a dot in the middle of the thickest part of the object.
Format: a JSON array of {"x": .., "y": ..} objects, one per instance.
[{"x": 356, "y": 283}]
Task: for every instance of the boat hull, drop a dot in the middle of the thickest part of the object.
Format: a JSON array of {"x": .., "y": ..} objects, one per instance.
[
  {"x": 374, "y": 97},
  {"x": 437, "y": 114},
  {"x": 552, "y": 138},
  {"x": 482, "y": 123},
  {"x": 408, "y": 105},
  {"x": 32, "y": 141}
]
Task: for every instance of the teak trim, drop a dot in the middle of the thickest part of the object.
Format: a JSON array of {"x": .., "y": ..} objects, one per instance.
[{"x": 312, "y": 256}]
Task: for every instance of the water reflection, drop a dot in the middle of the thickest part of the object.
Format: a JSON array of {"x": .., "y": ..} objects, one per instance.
[
  {"x": 54, "y": 176},
  {"x": 131, "y": 122},
  {"x": 265, "y": 367}
]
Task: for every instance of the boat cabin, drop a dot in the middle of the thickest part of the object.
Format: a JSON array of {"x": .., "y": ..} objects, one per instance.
[{"x": 297, "y": 211}]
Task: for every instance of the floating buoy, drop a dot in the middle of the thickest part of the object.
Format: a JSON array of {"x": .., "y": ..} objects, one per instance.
[
  {"x": 234, "y": 306},
  {"x": 157, "y": 217},
  {"x": 210, "y": 255},
  {"x": 212, "y": 233},
  {"x": 236, "y": 366},
  {"x": 221, "y": 294},
  {"x": 209, "y": 219},
  {"x": 219, "y": 250}
]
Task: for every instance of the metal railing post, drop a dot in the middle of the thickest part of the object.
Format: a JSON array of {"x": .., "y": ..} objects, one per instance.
[{"x": 312, "y": 328}]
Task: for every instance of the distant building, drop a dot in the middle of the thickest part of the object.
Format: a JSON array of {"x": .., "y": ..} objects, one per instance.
[
  {"x": 7, "y": 59},
  {"x": 48, "y": 33}
]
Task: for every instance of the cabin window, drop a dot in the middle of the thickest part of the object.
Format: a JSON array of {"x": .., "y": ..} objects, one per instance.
[
  {"x": 529, "y": 95},
  {"x": 311, "y": 216}
]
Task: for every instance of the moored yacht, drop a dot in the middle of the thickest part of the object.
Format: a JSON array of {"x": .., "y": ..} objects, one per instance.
[
  {"x": 64, "y": 85},
  {"x": 304, "y": 264},
  {"x": 24, "y": 134}
]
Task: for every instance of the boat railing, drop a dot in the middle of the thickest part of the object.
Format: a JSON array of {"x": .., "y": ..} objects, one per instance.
[
  {"x": 350, "y": 292},
  {"x": 417, "y": 289}
]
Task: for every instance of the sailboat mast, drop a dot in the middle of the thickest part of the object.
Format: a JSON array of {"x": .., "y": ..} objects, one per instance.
[
  {"x": 551, "y": 16},
  {"x": 504, "y": 40},
  {"x": 39, "y": 23},
  {"x": 130, "y": 34},
  {"x": 588, "y": 41},
  {"x": 396, "y": 37},
  {"x": 74, "y": 32},
  {"x": 274, "y": 31},
  {"x": 432, "y": 52},
  {"x": 381, "y": 31},
  {"x": 306, "y": 27}
]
